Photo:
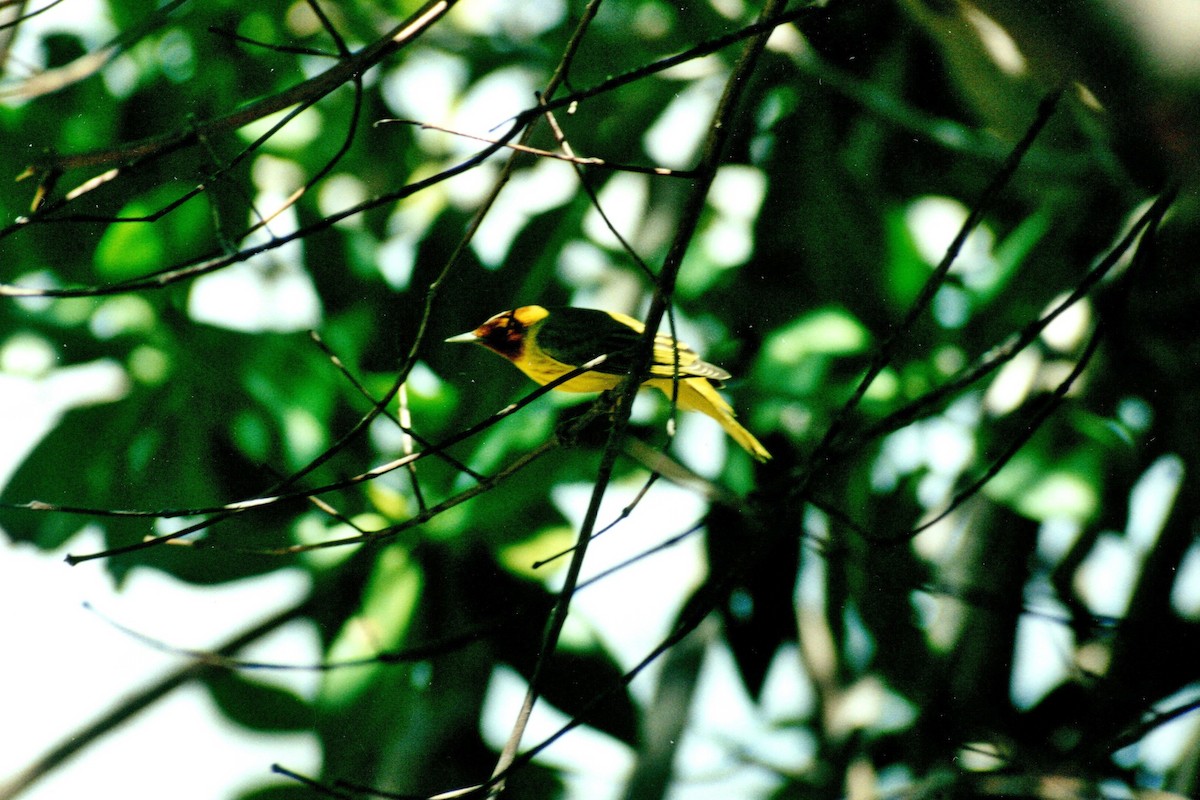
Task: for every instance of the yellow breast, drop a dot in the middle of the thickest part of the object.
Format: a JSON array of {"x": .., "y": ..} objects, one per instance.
[{"x": 543, "y": 369}]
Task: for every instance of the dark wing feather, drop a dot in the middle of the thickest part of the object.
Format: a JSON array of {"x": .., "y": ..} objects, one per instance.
[{"x": 577, "y": 335}]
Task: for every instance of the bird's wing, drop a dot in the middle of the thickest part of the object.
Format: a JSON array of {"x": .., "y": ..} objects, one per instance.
[
  {"x": 690, "y": 364},
  {"x": 577, "y": 335}
]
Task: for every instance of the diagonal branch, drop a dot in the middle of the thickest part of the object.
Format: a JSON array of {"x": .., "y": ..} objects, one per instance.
[
  {"x": 306, "y": 92},
  {"x": 887, "y": 350},
  {"x": 77, "y": 740},
  {"x": 714, "y": 148}
]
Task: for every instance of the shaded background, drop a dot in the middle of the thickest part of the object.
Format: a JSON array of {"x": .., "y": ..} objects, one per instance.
[{"x": 1037, "y": 639}]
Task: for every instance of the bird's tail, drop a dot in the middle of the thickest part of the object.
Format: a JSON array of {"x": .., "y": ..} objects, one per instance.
[{"x": 699, "y": 395}]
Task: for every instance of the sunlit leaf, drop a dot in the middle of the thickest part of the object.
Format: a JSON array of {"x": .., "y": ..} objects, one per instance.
[{"x": 387, "y": 608}]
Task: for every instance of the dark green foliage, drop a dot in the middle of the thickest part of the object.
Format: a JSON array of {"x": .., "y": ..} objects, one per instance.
[{"x": 795, "y": 280}]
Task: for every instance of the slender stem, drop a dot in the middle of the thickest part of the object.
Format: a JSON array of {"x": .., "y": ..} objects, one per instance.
[
  {"x": 131, "y": 706},
  {"x": 714, "y": 147}
]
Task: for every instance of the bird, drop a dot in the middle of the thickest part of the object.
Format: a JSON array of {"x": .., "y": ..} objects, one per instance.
[{"x": 548, "y": 343}]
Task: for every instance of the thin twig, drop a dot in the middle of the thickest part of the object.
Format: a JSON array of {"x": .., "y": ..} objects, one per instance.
[
  {"x": 327, "y": 24},
  {"x": 265, "y": 500},
  {"x": 1146, "y": 222},
  {"x": 305, "y": 92},
  {"x": 887, "y": 350},
  {"x": 570, "y": 158},
  {"x": 408, "y": 430},
  {"x": 310, "y": 783},
  {"x": 636, "y": 558},
  {"x": 997, "y": 357},
  {"x": 406, "y": 655},
  {"x": 429, "y": 513},
  {"x": 130, "y": 706},
  {"x": 400, "y": 36},
  {"x": 27, "y": 16},
  {"x": 53, "y": 80},
  {"x": 1154, "y": 720},
  {"x": 714, "y": 147},
  {"x": 594, "y": 199},
  {"x": 406, "y": 425},
  {"x": 624, "y": 515},
  {"x": 277, "y": 48},
  {"x": 204, "y": 265},
  {"x": 1048, "y": 407}
]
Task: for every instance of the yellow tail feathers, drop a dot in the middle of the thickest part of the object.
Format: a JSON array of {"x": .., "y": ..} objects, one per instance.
[{"x": 699, "y": 395}]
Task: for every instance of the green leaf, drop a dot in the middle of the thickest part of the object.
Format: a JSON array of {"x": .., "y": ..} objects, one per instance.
[
  {"x": 1068, "y": 487},
  {"x": 906, "y": 271},
  {"x": 258, "y": 706},
  {"x": 128, "y": 249},
  {"x": 388, "y": 605},
  {"x": 1012, "y": 252},
  {"x": 573, "y": 681},
  {"x": 830, "y": 332}
]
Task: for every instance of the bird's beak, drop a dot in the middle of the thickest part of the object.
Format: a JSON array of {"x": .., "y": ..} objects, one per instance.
[{"x": 468, "y": 337}]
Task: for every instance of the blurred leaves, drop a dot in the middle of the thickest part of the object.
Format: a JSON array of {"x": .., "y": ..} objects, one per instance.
[
  {"x": 258, "y": 706},
  {"x": 130, "y": 249}
]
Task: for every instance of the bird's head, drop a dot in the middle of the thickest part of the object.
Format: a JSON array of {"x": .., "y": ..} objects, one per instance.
[{"x": 505, "y": 333}]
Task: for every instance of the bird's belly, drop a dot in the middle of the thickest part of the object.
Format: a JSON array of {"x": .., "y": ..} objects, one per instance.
[
  {"x": 595, "y": 382},
  {"x": 543, "y": 370}
]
